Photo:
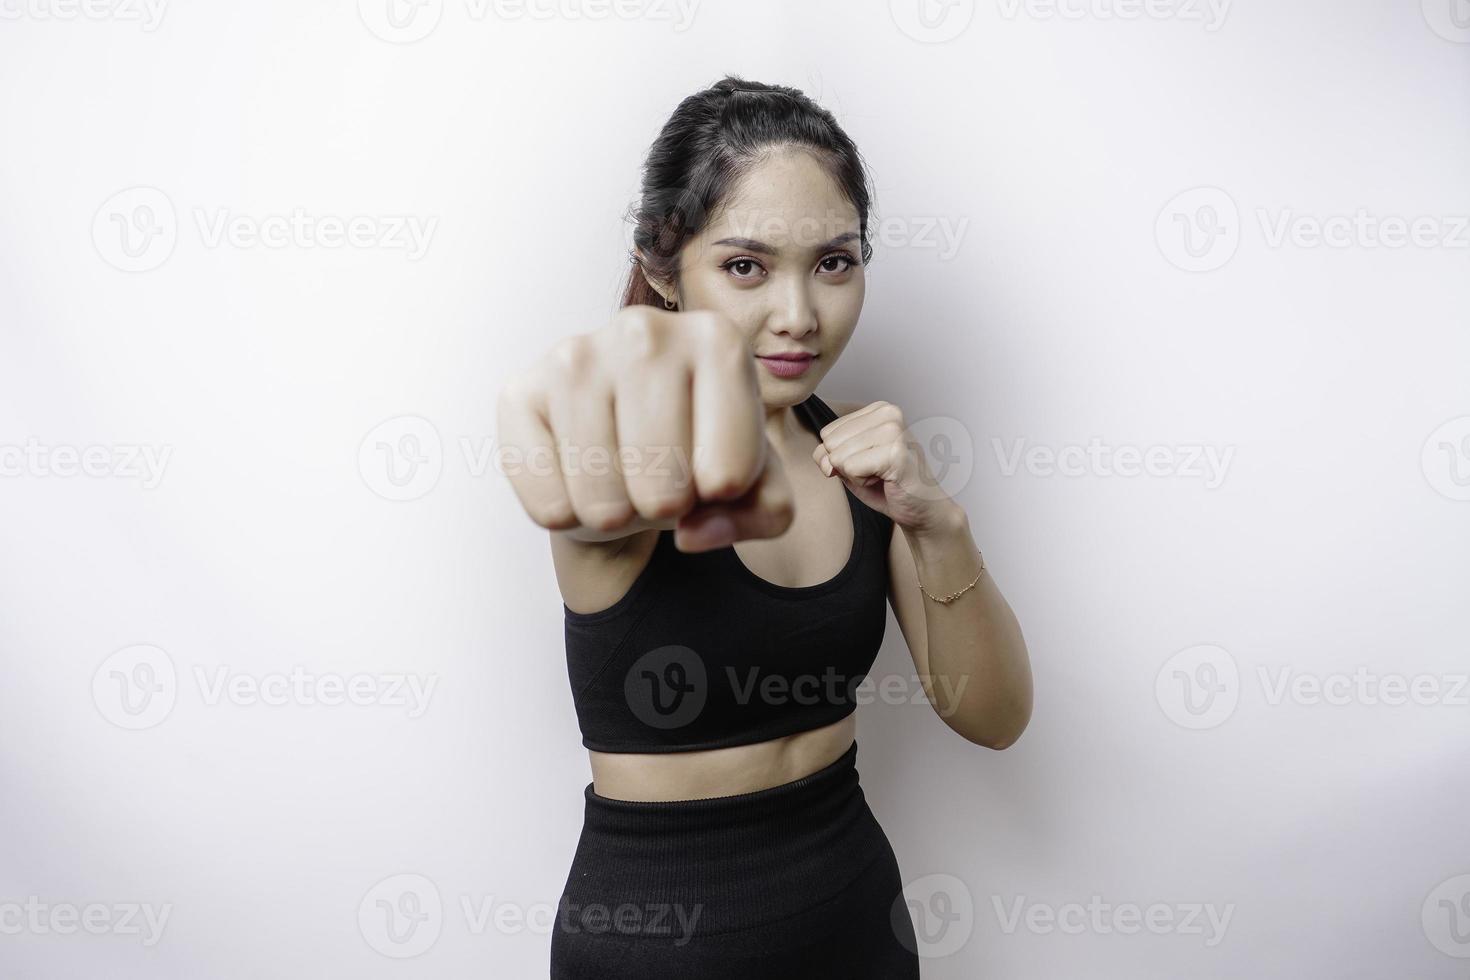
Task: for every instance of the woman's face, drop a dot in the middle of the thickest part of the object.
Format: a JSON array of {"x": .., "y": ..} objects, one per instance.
[{"x": 783, "y": 260}]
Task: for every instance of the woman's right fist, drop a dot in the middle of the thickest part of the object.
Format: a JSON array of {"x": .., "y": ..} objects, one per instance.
[{"x": 655, "y": 420}]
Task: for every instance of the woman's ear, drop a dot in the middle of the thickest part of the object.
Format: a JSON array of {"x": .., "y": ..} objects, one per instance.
[{"x": 663, "y": 290}]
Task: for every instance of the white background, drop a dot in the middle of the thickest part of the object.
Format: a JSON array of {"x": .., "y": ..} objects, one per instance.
[{"x": 1333, "y": 376}]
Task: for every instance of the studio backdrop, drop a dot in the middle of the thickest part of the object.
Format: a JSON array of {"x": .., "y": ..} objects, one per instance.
[{"x": 1173, "y": 292}]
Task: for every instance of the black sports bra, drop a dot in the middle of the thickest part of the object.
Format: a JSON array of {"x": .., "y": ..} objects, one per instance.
[{"x": 702, "y": 653}]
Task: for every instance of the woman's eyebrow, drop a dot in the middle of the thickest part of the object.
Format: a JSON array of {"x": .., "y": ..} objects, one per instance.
[{"x": 751, "y": 245}]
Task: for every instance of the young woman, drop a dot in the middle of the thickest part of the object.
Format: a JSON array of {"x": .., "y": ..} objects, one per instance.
[{"x": 724, "y": 543}]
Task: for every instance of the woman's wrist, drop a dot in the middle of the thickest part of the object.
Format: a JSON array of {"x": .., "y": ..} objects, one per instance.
[{"x": 947, "y": 526}]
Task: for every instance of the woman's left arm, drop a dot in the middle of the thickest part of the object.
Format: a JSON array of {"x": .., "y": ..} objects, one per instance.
[{"x": 970, "y": 654}]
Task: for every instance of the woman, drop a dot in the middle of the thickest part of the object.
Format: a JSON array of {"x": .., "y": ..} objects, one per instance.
[{"x": 725, "y": 833}]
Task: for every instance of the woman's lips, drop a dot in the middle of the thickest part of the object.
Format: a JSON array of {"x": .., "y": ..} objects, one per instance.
[{"x": 787, "y": 365}]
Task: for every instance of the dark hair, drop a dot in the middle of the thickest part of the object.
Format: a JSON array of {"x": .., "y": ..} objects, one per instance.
[{"x": 714, "y": 138}]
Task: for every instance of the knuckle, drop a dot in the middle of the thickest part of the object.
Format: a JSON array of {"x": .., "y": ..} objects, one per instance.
[
  {"x": 665, "y": 502},
  {"x": 605, "y": 516},
  {"x": 570, "y": 356},
  {"x": 638, "y": 335},
  {"x": 723, "y": 483},
  {"x": 637, "y": 313},
  {"x": 554, "y": 515}
]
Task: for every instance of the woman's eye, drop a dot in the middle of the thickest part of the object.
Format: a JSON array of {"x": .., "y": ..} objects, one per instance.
[
  {"x": 846, "y": 262},
  {"x": 744, "y": 265},
  {"x": 834, "y": 264}
]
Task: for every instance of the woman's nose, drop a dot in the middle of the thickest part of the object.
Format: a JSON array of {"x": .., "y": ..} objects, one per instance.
[{"x": 794, "y": 313}]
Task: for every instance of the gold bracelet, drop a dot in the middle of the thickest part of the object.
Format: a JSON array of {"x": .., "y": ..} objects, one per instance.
[{"x": 954, "y": 595}]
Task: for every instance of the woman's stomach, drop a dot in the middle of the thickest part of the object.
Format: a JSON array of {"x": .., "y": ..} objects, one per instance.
[{"x": 720, "y": 772}]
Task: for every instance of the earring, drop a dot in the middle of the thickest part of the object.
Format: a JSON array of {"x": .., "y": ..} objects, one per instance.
[{"x": 669, "y": 304}]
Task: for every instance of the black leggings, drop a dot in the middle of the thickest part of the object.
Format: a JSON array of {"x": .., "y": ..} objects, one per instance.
[{"x": 797, "y": 880}]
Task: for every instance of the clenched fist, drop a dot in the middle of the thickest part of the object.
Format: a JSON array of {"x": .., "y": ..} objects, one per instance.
[{"x": 655, "y": 420}]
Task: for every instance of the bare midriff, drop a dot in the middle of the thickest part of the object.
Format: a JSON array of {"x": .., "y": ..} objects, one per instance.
[{"x": 706, "y": 773}]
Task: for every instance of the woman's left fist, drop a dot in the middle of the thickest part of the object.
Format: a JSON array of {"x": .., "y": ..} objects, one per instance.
[{"x": 873, "y": 452}]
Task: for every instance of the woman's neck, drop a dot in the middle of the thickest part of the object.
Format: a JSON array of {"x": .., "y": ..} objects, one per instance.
[{"x": 784, "y": 430}]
